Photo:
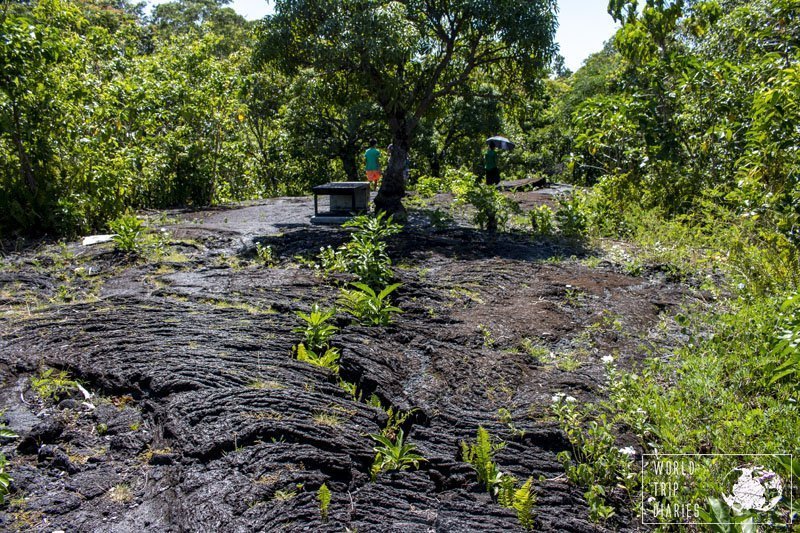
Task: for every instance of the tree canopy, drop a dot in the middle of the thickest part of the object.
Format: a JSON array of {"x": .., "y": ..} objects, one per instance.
[
  {"x": 408, "y": 55},
  {"x": 104, "y": 109}
]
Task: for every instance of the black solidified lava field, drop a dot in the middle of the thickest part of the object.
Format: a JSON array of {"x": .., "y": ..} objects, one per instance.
[{"x": 199, "y": 419}]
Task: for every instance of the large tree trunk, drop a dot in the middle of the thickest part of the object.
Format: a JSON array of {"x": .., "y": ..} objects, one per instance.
[
  {"x": 348, "y": 158},
  {"x": 393, "y": 185},
  {"x": 436, "y": 165}
]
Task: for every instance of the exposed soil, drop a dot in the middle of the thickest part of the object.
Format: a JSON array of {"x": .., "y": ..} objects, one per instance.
[{"x": 200, "y": 419}]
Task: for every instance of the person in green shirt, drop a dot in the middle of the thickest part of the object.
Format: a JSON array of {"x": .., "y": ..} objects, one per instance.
[
  {"x": 490, "y": 165},
  {"x": 373, "y": 165}
]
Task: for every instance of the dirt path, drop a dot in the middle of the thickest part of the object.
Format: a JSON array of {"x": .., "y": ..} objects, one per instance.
[{"x": 201, "y": 420}]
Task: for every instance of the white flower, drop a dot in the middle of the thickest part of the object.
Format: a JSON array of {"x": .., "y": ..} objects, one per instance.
[
  {"x": 557, "y": 397},
  {"x": 741, "y": 286},
  {"x": 607, "y": 359},
  {"x": 628, "y": 450}
]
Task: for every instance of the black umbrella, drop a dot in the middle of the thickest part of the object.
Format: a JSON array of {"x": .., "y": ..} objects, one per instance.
[{"x": 501, "y": 142}]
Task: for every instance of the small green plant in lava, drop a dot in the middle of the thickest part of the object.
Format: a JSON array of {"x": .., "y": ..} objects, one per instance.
[
  {"x": 128, "y": 232},
  {"x": 316, "y": 329},
  {"x": 50, "y": 383},
  {"x": 328, "y": 359},
  {"x": 5, "y": 478},
  {"x": 521, "y": 499},
  {"x": 595, "y": 461},
  {"x": 504, "y": 416},
  {"x": 367, "y": 306},
  {"x": 365, "y": 254},
  {"x": 480, "y": 454},
  {"x": 351, "y": 389},
  {"x": 397, "y": 455},
  {"x": 324, "y": 498},
  {"x": 265, "y": 254}
]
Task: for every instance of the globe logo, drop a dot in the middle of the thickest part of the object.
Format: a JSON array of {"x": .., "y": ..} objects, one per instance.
[{"x": 755, "y": 489}]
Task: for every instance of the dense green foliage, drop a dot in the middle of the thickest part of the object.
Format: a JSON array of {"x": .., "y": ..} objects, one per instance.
[
  {"x": 409, "y": 57},
  {"x": 685, "y": 129},
  {"x": 101, "y": 111},
  {"x": 103, "y": 108},
  {"x": 365, "y": 255},
  {"x": 692, "y": 106}
]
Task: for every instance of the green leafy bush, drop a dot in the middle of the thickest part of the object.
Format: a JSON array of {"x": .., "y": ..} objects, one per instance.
[
  {"x": 265, "y": 254},
  {"x": 51, "y": 384},
  {"x": 368, "y": 260},
  {"x": 459, "y": 181},
  {"x": 480, "y": 455},
  {"x": 492, "y": 209},
  {"x": 542, "y": 221},
  {"x": 331, "y": 260},
  {"x": 570, "y": 217},
  {"x": 784, "y": 363},
  {"x": 397, "y": 455},
  {"x": 128, "y": 231},
  {"x": 428, "y": 186},
  {"x": 374, "y": 228},
  {"x": 594, "y": 459},
  {"x": 367, "y": 306},
  {"x": 365, "y": 254},
  {"x": 317, "y": 331},
  {"x": 599, "y": 510},
  {"x": 328, "y": 359}
]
